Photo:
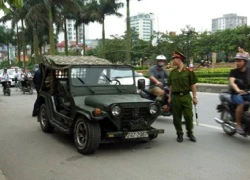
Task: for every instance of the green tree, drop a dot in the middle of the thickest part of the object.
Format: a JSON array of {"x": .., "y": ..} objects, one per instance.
[
  {"x": 11, "y": 3},
  {"x": 101, "y": 10}
]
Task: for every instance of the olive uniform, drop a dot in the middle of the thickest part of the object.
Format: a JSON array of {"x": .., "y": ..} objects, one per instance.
[{"x": 180, "y": 83}]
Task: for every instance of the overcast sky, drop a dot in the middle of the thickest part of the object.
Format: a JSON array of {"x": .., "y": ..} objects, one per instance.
[{"x": 175, "y": 14}]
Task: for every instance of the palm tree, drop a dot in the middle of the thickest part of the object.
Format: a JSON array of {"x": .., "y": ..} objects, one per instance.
[
  {"x": 103, "y": 8},
  {"x": 85, "y": 15},
  {"x": 11, "y": 3},
  {"x": 67, "y": 10},
  {"x": 34, "y": 21},
  {"x": 50, "y": 7},
  {"x": 128, "y": 32},
  {"x": 15, "y": 15}
]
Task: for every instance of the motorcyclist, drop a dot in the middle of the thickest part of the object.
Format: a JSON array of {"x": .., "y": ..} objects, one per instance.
[
  {"x": 25, "y": 77},
  {"x": 239, "y": 81},
  {"x": 157, "y": 76},
  {"x": 5, "y": 78},
  {"x": 16, "y": 75}
]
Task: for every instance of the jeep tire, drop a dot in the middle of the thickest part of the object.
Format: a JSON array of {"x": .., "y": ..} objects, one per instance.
[
  {"x": 87, "y": 135},
  {"x": 44, "y": 119}
]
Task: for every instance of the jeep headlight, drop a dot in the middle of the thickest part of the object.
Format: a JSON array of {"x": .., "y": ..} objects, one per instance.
[
  {"x": 116, "y": 110},
  {"x": 153, "y": 109}
]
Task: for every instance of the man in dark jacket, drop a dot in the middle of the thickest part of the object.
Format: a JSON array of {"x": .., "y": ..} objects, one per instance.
[
  {"x": 37, "y": 83},
  {"x": 239, "y": 90}
]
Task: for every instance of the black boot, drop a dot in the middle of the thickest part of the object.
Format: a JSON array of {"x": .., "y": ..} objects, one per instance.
[
  {"x": 191, "y": 137},
  {"x": 179, "y": 138}
]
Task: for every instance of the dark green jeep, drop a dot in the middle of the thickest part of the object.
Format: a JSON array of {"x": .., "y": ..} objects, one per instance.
[{"x": 81, "y": 95}]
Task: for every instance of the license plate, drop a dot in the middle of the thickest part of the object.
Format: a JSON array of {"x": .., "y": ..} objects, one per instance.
[{"x": 137, "y": 134}]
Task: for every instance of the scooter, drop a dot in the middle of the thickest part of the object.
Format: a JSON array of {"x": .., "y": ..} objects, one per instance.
[
  {"x": 27, "y": 86},
  {"x": 227, "y": 115},
  {"x": 144, "y": 93},
  {"x": 6, "y": 90}
]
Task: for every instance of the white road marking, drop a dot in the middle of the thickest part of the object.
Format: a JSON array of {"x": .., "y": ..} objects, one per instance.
[
  {"x": 200, "y": 124},
  {"x": 209, "y": 126},
  {"x": 208, "y": 93}
]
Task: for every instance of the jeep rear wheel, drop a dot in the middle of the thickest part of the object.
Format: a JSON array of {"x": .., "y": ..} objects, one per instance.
[
  {"x": 87, "y": 135},
  {"x": 44, "y": 119}
]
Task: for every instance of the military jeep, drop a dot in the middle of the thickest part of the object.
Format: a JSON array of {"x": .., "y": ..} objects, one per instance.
[{"x": 82, "y": 96}]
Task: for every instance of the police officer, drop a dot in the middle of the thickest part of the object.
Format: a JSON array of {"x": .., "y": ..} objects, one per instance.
[
  {"x": 157, "y": 76},
  {"x": 181, "y": 81}
]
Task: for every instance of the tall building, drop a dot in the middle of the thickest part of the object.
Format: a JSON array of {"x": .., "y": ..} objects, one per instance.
[
  {"x": 228, "y": 21},
  {"x": 72, "y": 31},
  {"x": 143, "y": 25}
]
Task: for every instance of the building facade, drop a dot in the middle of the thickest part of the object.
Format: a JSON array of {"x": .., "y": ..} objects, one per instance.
[
  {"x": 143, "y": 25},
  {"x": 228, "y": 21},
  {"x": 72, "y": 31}
]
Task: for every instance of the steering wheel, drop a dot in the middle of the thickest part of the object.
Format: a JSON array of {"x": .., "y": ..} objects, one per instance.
[{"x": 117, "y": 82}]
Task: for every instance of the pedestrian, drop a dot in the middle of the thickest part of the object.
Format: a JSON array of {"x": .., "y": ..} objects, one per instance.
[
  {"x": 191, "y": 65},
  {"x": 37, "y": 79},
  {"x": 242, "y": 52},
  {"x": 181, "y": 81}
]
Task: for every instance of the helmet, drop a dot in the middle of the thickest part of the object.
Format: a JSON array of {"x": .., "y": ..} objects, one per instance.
[
  {"x": 242, "y": 57},
  {"x": 161, "y": 57}
]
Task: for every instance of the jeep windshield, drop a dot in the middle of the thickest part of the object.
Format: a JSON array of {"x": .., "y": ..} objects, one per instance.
[{"x": 101, "y": 76}]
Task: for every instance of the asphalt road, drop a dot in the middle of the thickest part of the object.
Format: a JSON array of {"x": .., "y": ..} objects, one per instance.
[{"x": 26, "y": 153}]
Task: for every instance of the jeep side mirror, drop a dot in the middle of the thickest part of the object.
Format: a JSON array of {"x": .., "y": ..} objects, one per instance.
[{"x": 141, "y": 84}]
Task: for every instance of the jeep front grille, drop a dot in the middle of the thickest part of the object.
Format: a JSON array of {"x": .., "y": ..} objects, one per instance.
[{"x": 134, "y": 116}]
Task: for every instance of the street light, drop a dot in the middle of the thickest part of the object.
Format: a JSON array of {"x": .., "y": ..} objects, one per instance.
[{"x": 188, "y": 32}]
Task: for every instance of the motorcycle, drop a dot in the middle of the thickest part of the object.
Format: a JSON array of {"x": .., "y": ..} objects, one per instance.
[
  {"x": 27, "y": 86},
  {"x": 227, "y": 115},
  {"x": 6, "y": 90},
  {"x": 144, "y": 93}
]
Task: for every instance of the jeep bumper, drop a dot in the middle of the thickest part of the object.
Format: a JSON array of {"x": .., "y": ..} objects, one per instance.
[{"x": 134, "y": 134}]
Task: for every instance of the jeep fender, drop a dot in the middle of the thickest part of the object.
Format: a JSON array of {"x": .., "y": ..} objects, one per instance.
[{"x": 89, "y": 116}]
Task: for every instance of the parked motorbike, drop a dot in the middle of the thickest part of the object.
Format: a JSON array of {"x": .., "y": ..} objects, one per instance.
[
  {"x": 27, "y": 86},
  {"x": 144, "y": 93},
  {"x": 6, "y": 90},
  {"x": 227, "y": 117}
]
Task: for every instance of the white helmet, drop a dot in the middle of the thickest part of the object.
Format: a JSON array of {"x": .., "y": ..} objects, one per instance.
[{"x": 161, "y": 57}]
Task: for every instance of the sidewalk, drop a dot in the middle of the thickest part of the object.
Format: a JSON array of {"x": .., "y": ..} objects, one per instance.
[{"x": 2, "y": 176}]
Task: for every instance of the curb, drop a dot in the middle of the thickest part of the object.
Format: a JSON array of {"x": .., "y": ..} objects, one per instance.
[
  {"x": 2, "y": 176},
  {"x": 211, "y": 88}
]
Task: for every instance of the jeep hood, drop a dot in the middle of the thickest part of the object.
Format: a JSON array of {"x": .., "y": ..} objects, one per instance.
[{"x": 106, "y": 100}]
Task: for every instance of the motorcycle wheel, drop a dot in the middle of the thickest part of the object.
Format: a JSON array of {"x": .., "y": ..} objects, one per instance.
[
  {"x": 226, "y": 117},
  {"x": 31, "y": 91}
]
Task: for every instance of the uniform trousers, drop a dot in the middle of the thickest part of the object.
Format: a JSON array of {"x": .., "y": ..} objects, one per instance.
[{"x": 182, "y": 105}]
